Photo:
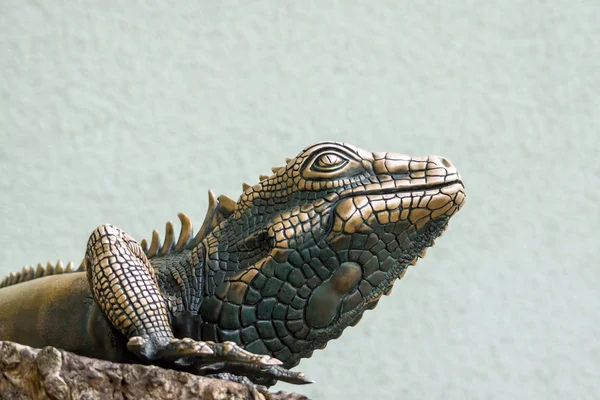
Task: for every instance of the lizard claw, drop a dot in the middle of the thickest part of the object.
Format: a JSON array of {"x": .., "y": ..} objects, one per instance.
[
  {"x": 288, "y": 376},
  {"x": 136, "y": 341},
  {"x": 229, "y": 351},
  {"x": 139, "y": 346},
  {"x": 267, "y": 375},
  {"x": 172, "y": 350}
]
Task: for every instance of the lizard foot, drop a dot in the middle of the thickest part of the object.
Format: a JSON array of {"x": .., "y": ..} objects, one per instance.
[
  {"x": 259, "y": 375},
  {"x": 183, "y": 350},
  {"x": 208, "y": 357},
  {"x": 173, "y": 350}
]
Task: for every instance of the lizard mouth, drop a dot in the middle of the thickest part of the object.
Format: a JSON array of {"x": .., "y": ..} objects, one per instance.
[
  {"x": 386, "y": 188},
  {"x": 357, "y": 210}
]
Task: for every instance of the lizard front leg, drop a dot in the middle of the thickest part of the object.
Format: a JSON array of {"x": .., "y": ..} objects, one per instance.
[{"x": 124, "y": 285}]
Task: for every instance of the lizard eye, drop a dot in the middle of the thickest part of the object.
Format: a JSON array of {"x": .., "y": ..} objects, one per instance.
[
  {"x": 328, "y": 162},
  {"x": 331, "y": 164}
]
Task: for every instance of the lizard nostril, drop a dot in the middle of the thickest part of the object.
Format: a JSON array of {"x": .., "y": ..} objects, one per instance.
[{"x": 445, "y": 162}]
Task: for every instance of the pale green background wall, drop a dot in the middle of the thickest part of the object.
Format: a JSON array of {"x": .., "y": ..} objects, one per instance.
[{"x": 129, "y": 113}]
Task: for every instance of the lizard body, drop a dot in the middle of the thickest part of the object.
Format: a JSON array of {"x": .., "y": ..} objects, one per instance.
[{"x": 266, "y": 281}]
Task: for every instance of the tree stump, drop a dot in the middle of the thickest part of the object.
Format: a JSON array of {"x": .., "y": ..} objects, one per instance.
[{"x": 50, "y": 373}]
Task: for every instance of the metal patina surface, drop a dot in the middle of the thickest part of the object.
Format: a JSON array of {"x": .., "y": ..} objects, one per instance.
[{"x": 265, "y": 281}]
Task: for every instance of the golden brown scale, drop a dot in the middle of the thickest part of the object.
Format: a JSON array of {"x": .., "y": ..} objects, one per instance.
[{"x": 124, "y": 285}]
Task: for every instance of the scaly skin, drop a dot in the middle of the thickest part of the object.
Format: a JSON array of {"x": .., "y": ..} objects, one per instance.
[{"x": 272, "y": 277}]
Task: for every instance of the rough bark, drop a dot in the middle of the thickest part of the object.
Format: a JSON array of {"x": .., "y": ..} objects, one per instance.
[{"x": 50, "y": 373}]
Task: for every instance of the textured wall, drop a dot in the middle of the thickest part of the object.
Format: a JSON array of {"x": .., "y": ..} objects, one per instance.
[{"x": 129, "y": 113}]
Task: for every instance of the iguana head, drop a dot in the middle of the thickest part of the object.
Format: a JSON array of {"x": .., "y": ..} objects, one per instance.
[{"x": 308, "y": 249}]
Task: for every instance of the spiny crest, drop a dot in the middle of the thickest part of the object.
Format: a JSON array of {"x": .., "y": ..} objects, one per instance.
[
  {"x": 28, "y": 273},
  {"x": 275, "y": 170},
  {"x": 219, "y": 209}
]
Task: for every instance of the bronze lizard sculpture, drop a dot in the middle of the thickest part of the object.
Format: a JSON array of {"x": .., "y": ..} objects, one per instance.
[{"x": 267, "y": 279}]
